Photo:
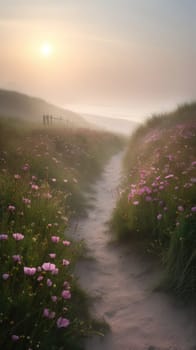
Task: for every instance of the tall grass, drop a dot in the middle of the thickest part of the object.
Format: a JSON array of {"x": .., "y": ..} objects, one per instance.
[
  {"x": 42, "y": 175},
  {"x": 157, "y": 205}
]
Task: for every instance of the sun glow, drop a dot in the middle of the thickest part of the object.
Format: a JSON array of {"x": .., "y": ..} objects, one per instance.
[{"x": 46, "y": 49}]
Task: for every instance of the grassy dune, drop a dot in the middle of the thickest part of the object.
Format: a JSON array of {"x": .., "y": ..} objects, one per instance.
[
  {"x": 157, "y": 204},
  {"x": 43, "y": 172}
]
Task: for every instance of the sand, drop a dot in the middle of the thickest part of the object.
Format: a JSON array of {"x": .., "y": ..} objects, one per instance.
[{"x": 122, "y": 282}]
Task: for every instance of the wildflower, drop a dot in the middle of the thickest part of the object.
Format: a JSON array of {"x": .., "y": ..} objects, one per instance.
[
  {"x": 17, "y": 176},
  {"x": 33, "y": 178},
  {"x": 18, "y": 236},
  {"x": 135, "y": 202},
  {"x": 26, "y": 200},
  {"x": 193, "y": 209},
  {"x": 3, "y": 237},
  {"x": 48, "y": 313},
  {"x": 34, "y": 187},
  {"x": 66, "y": 243},
  {"x": 66, "y": 285},
  {"x": 52, "y": 255},
  {"x": 49, "y": 225},
  {"x": 47, "y": 266},
  {"x": 180, "y": 208},
  {"x": 53, "y": 179},
  {"x": 5, "y": 276},
  {"x": 66, "y": 262},
  {"x": 66, "y": 294},
  {"x": 55, "y": 271},
  {"x": 26, "y": 167},
  {"x": 54, "y": 298},
  {"x": 159, "y": 216},
  {"x": 169, "y": 176},
  {"x": 16, "y": 258},
  {"x": 49, "y": 282},
  {"x": 40, "y": 278},
  {"x": 55, "y": 239},
  {"x": 11, "y": 208},
  {"x": 30, "y": 271},
  {"x": 15, "y": 337},
  {"x": 62, "y": 322}
]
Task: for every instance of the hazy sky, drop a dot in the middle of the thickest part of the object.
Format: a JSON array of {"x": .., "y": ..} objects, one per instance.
[{"x": 119, "y": 57}]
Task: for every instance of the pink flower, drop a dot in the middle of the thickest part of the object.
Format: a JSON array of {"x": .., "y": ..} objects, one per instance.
[
  {"x": 66, "y": 285},
  {"x": 62, "y": 322},
  {"x": 18, "y": 236},
  {"x": 47, "y": 195},
  {"x": 54, "y": 298},
  {"x": 193, "y": 209},
  {"x": 66, "y": 294},
  {"x": 16, "y": 258},
  {"x": 26, "y": 167},
  {"x": 159, "y": 216},
  {"x": 49, "y": 282},
  {"x": 40, "y": 278},
  {"x": 169, "y": 176},
  {"x": 47, "y": 266},
  {"x": 3, "y": 237},
  {"x": 55, "y": 271},
  {"x": 52, "y": 255},
  {"x": 66, "y": 243},
  {"x": 30, "y": 271},
  {"x": 33, "y": 178},
  {"x": 26, "y": 200},
  {"x": 66, "y": 262},
  {"x": 55, "y": 239},
  {"x": 5, "y": 276},
  {"x": 35, "y": 187},
  {"x": 15, "y": 337},
  {"x": 11, "y": 208},
  {"x": 135, "y": 202},
  {"x": 180, "y": 208},
  {"x": 49, "y": 225},
  {"x": 17, "y": 176},
  {"x": 48, "y": 313}
]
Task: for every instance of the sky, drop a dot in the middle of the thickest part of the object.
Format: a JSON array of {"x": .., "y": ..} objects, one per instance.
[{"x": 126, "y": 58}]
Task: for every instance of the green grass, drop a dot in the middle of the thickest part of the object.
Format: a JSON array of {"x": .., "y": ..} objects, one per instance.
[
  {"x": 43, "y": 173},
  {"x": 157, "y": 204}
]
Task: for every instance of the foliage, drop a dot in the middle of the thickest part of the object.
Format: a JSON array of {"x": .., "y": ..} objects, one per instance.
[
  {"x": 42, "y": 175},
  {"x": 157, "y": 204}
]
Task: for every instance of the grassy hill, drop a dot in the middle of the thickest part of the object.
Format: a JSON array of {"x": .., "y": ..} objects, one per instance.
[
  {"x": 157, "y": 206},
  {"x": 16, "y": 105},
  {"x": 43, "y": 174}
]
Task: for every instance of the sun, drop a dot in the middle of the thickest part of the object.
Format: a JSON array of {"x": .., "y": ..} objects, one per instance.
[{"x": 46, "y": 49}]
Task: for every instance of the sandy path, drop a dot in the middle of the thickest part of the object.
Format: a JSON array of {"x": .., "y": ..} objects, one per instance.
[{"x": 122, "y": 284}]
